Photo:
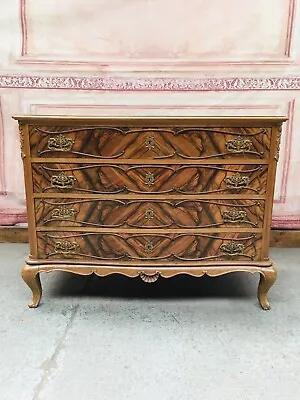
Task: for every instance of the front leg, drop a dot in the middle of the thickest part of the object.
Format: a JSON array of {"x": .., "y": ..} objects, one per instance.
[
  {"x": 267, "y": 279},
  {"x": 31, "y": 277}
]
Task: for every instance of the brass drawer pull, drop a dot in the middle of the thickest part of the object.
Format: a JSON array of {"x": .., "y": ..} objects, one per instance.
[
  {"x": 63, "y": 181},
  {"x": 149, "y": 179},
  {"x": 232, "y": 249},
  {"x": 65, "y": 247},
  {"x": 236, "y": 181},
  {"x": 60, "y": 143},
  {"x": 238, "y": 145},
  {"x": 150, "y": 142},
  {"x": 149, "y": 214},
  {"x": 63, "y": 212},
  {"x": 234, "y": 216}
]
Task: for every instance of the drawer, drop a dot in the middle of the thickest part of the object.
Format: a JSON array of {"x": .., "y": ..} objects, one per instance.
[
  {"x": 185, "y": 179},
  {"x": 149, "y": 143},
  {"x": 171, "y": 247},
  {"x": 148, "y": 214}
]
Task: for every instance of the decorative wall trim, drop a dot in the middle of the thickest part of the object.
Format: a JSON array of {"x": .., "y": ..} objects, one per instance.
[
  {"x": 2, "y": 175},
  {"x": 290, "y": 27},
  {"x": 287, "y": 138},
  {"x": 148, "y": 84},
  {"x": 27, "y": 58}
]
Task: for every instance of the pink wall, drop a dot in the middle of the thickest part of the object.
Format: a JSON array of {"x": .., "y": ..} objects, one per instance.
[{"x": 150, "y": 57}]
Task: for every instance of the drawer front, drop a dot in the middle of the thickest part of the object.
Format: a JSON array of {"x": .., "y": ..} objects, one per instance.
[
  {"x": 149, "y": 143},
  {"x": 184, "y": 179},
  {"x": 171, "y": 247},
  {"x": 149, "y": 214}
]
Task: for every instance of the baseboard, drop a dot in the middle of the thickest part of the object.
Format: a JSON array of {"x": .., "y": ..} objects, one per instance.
[
  {"x": 279, "y": 237},
  {"x": 12, "y": 234}
]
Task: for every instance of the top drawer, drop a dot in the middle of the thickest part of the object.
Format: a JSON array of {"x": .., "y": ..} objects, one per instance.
[{"x": 149, "y": 143}]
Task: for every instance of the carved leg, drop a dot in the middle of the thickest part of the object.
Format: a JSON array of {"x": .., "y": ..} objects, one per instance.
[
  {"x": 31, "y": 276},
  {"x": 267, "y": 279}
]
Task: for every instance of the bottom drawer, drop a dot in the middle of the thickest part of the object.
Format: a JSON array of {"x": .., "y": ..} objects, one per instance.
[{"x": 131, "y": 246}]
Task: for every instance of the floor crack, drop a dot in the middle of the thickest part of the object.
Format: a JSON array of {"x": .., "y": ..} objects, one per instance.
[{"x": 50, "y": 364}]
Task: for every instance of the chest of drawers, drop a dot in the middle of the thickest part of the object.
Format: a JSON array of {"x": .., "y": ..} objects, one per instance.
[{"x": 149, "y": 197}]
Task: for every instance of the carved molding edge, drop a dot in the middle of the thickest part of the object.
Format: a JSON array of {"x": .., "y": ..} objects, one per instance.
[
  {"x": 278, "y": 140},
  {"x": 266, "y": 270},
  {"x": 21, "y": 134}
]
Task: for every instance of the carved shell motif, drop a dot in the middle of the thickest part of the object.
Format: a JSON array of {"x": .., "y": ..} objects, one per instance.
[{"x": 149, "y": 278}]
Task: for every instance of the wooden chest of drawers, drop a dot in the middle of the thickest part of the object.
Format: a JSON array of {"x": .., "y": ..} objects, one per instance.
[{"x": 149, "y": 197}]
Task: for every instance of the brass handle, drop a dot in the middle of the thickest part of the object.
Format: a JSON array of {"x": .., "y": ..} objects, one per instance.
[
  {"x": 63, "y": 181},
  {"x": 236, "y": 181},
  {"x": 65, "y": 247},
  {"x": 149, "y": 179},
  {"x": 238, "y": 145},
  {"x": 150, "y": 142},
  {"x": 234, "y": 216},
  {"x": 63, "y": 212},
  {"x": 232, "y": 249},
  {"x": 60, "y": 143}
]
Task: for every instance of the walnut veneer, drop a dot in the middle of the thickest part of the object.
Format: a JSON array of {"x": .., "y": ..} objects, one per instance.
[{"x": 149, "y": 197}]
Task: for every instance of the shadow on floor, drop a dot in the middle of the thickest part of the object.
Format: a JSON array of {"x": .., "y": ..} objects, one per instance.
[{"x": 184, "y": 286}]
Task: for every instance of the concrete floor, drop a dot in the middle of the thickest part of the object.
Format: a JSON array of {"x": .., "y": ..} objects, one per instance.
[{"x": 118, "y": 338}]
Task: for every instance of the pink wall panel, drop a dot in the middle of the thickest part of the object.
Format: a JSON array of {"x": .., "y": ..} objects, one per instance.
[
  {"x": 150, "y": 57},
  {"x": 181, "y": 31}
]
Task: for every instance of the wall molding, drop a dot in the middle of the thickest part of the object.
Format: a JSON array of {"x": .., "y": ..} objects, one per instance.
[
  {"x": 2, "y": 175},
  {"x": 138, "y": 84},
  {"x": 140, "y": 64}
]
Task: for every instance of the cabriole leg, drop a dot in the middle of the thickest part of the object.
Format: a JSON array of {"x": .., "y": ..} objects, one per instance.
[
  {"x": 31, "y": 277},
  {"x": 267, "y": 280}
]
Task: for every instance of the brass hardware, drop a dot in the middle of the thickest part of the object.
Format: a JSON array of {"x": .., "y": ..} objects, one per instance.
[
  {"x": 63, "y": 181},
  {"x": 63, "y": 212},
  {"x": 60, "y": 143},
  {"x": 150, "y": 142},
  {"x": 278, "y": 139},
  {"x": 149, "y": 179},
  {"x": 149, "y": 214},
  {"x": 234, "y": 216},
  {"x": 65, "y": 247},
  {"x": 149, "y": 278},
  {"x": 232, "y": 249},
  {"x": 236, "y": 181},
  {"x": 238, "y": 145},
  {"x": 149, "y": 247},
  {"x": 21, "y": 133}
]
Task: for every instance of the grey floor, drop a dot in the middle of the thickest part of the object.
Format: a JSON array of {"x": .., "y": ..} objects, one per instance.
[{"x": 118, "y": 338}]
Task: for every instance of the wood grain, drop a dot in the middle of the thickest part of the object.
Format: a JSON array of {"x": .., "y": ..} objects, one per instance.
[
  {"x": 286, "y": 238},
  {"x": 150, "y": 197}
]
